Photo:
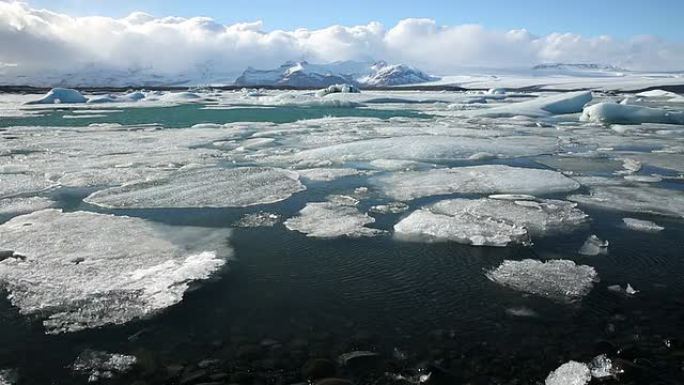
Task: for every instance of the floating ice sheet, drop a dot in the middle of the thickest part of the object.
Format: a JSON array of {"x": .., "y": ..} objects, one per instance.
[
  {"x": 18, "y": 206},
  {"x": 488, "y": 179},
  {"x": 641, "y": 199},
  {"x": 84, "y": 270},
  {"x": 99, "y": 365},
  {"x": 642, "y": 225},
  {"x": 330, "y": 220},
  {"x": 260, "y": 219},
  {"x": 490, "y": 222},
  {"x": 570, "y": 373},
  {"x": 559, "y": 280},
  {"x": 564, "y": 103},
  {"x": 204, "y": 187}
]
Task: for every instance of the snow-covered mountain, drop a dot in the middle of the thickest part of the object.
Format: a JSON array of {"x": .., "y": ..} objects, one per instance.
[{"x": 304, "y": 75}]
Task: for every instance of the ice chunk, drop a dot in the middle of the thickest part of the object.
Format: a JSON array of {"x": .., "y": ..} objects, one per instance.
[
  {"x": 102, "y": 365},
  {"x": 570, "y": 373},
  {"x": 390, "y": 208},
  {"x": 8, "y": 377},
  {"x": 594, "y": 246},
  {"x": 564, "y": 103},
  {"x": 610, "y": 113},
  {"x": 204, "y": 187},
  {"x": 60, "y": 95},
  {"x": 330, "y": 220},
  {"x": 85, "y": 270},
  {"x": 326, "y": 174},
  {"x": 490, "y": 222},
  {"x": 338, "y": 88},
  {"x": 18, "y": 206},
  {"x": 642, "y": 225},
  {"x": 126, "y": 98},
  {"x": 602, "y": 367},
  {"x": 22, "y": 183},
  {"x": 260, "y": 219},
  {"x": 641, "y": 199},
  {"x": 487, "y": 179},
  {"x": 559, "y": 280}
]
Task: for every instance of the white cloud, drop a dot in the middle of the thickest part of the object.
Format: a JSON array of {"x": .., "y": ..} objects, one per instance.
[{"x": 40, "y": 40}]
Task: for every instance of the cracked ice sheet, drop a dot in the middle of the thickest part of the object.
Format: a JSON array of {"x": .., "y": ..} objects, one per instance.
[
  {"x": 558, "y": 280},
  {"x": 331, "y": 220},
  {"x": 78, "y": 273},
  {"x": 204, "y": 187},
  {"x": 490, "y": 222},
  {"x": 488, "y": 179},
  {"x": 640, "y": 199}
]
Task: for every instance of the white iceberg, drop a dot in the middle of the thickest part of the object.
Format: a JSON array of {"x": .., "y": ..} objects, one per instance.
[
  {"x": 563, "y": 103},
  {"x": 640, "y": 199},
  {"x": 594, "y": 246},
  {"x": 559, "y": 280},
  {"x": 331, "y": 220},
  {"x": 487, "y": 179},
  {"x": 609, "y": 113},
  {"x": 99, "y": 365},
  {"x": 570, "y": 373},
  {"x": 490, "y": 222},
  {"x": 642, "y": 225},
  {"x": 60, "y": 95},
  {"x": 84, "y": 270},
  {"x": 204, "y": 187}
]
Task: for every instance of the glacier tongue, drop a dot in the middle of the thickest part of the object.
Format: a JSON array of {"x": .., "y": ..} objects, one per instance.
[
  {"x": 330, "y": 220},
  {"x": 488, "y": 179},
  {"x": 204, "y": 187},
  {"x": 85, "y": 270},
  {"x": 490, "y": 222},
  {"x": 558, "y": 280}
]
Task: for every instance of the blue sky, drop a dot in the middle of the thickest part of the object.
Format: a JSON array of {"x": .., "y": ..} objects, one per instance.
[{"x": 618, "y": 18}]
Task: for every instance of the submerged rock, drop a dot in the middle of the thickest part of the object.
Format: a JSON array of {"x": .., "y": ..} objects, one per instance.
[
  {"x": 102, "y": 365},
  {"x": 570, "y": 373},
  {"x": 559, "y": 280},
  {"x": 60, "y": 95},
  {"x": 85, "y": 270}
]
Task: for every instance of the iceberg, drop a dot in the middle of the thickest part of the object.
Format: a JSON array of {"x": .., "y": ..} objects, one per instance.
[
  {"x": 611, "y": 113},
  {"x": 640, "y": 199},
  {"x": 558, "y": 280},
  {"x": 570, "y": 373},
  {"x": 542, "y": 106},
  {"x": 204, "y": 187},
  {"x": 490, "y": 222},
  {"x": 60, "y": 95},
  {"x": 331, "y": 220},
  {"x": 337, "y": 89},
  {"x": 82, "y": 270},
  {"x": 487, "y": 179},
  {"x": 99, "y": 365},
  {"x": 642, "y": 225}
]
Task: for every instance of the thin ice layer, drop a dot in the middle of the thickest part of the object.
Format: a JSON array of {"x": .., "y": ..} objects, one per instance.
[
  {"x": 330, "y": 220},
  {"x": 559, "y": 280},
  {"x": 204, "y": 187},
  {"x": 84, "y": 270},
  {"x": 639, "y": 199},
  {"x": 488, "y": 179}
]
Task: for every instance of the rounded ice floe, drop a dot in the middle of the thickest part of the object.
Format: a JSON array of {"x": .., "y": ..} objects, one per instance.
[
  {"x": 330, "y": 220},
  {"x": 610, "y": 113},
  {"x": 204, "y": 187},
  {"x": 558, "y": 280},
  {"x": 642, "y": 225},
  {"x": 641, "y": 199},
  {"x": 84, "y": 270},
  {"x": 488, "y": 179},
  {"x": 570, "y": 373},
  {"x": 60, "y": 95},
  {"x": 490, "y": 222}
]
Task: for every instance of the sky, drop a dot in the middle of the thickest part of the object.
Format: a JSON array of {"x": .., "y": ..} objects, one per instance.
[
  {"x": 619, "y": 18},
  {"x": 441, "y": 37}
]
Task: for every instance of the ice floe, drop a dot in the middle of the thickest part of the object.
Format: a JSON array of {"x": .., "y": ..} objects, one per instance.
[
  {"x": 640, "y": 199},
  {"x": 602, "y": 367},
  {"x": 642, "y": 225},
  {"x": 609, "y": 113},
  {"x": 204, "y": 187},
  {"x": 490, "y": 222},
  {"x": 487, "y": 179},
  {"x": 13, "y": 184},
  {"x": 390, "y": 208},
  {"x": 18, "y": 206},
  {"x": 83, "y": 270},
  {"x": 330, "y": 220},
  {"x": 326, "y": 174},
  {"x": 260, "y": 219},
  {"x": 570, "y": 373},
  {"x": 564, "y": 103},
  {"x": 60, "y": 96},
  {"x": 559, "y": 280},
  {"x": 98, "y": 365},
  {"x": 594, "y": 246}
]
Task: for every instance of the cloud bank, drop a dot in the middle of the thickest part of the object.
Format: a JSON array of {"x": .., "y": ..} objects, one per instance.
[{"x": 34, "y": 41}]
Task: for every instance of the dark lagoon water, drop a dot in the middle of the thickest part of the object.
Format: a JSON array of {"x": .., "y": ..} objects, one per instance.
[{"x": 286, "y": 298}]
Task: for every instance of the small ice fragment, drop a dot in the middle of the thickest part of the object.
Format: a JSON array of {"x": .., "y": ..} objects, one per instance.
[
  {"x": 102, "y": 365},
  {"x": 343, "y": 200},
  {"x": 330, "y": 220},
  {"x": 559, "y": 280},
  {"x": 642, "y": 225},
  {"x": 630, "y": 290},
  {"x": 594, "y": 246},
  {"x": 570, "y": 373},
  {"x": 260, "y": 219},
  {"x": 390, "y": 208},
  {"x": 602, "y": 367}
]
